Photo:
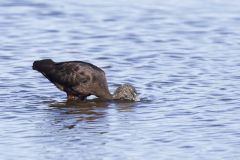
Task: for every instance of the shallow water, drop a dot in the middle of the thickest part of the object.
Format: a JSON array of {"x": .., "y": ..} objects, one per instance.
[{"x": 183, "y": 58}]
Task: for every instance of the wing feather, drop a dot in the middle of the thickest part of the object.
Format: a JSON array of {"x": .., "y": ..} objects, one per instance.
[{"x": 69, "y": 74}]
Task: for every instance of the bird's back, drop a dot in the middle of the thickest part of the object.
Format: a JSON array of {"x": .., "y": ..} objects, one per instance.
[{"x": 76, "y": 72}]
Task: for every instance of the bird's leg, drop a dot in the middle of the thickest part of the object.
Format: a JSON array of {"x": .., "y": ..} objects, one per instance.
[
  {"x": 82, "y": 98},
  {"x": 71, "y": 97}
]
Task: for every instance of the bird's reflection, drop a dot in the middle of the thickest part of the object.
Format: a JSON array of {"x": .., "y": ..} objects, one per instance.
[
  {"x": 125, "y": 106},
  {"x": 76, "y": 111},
  {"x": 81, "y": 104},
  {"x": 81, "y": 110}
]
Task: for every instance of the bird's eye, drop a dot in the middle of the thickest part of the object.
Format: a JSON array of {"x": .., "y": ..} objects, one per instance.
[{"x": 125, "y": 96}]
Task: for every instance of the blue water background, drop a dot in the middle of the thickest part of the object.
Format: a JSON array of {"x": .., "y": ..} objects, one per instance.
[{"x": 182, "y": 56}]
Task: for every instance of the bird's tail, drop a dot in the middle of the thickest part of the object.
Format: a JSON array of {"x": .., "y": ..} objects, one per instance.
[{"x": 43, "y": 66}]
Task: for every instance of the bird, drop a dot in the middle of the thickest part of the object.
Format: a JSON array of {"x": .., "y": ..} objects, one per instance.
[{"x": 81, "y": 79}]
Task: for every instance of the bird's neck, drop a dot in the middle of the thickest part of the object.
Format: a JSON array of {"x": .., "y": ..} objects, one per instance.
[{"x": 106, "y": 95}]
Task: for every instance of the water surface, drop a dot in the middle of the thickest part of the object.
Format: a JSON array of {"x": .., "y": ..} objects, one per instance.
[{"x": 183, "y": 58}]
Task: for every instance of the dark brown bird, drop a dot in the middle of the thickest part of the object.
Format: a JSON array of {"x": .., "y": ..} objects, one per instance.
[{"x": 81, "y": 79}]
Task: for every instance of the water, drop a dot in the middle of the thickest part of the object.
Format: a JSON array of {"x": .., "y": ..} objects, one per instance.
[{"x": 183, "y": 58}]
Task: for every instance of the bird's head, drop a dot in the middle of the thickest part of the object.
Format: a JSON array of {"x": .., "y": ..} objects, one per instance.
[{"x": 126, "y": 92}]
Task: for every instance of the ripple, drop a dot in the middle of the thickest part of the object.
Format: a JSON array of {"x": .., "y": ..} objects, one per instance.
[{"x": 182, "y": 58}]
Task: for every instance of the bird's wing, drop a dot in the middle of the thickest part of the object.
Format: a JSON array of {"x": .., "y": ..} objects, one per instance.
[{"x": 69, "y": 74}]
